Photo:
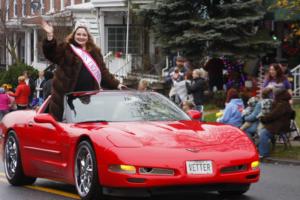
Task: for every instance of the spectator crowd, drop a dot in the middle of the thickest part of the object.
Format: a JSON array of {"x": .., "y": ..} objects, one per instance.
[
  {"x": 262, "y": 117},
  {"x": 28, "y": 94}
]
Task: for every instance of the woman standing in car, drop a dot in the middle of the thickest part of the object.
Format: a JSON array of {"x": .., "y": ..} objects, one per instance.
[{"x": 80, "y": 65}]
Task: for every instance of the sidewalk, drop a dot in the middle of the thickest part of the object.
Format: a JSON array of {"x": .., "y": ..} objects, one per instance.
[
  {"x": 281, "y": 161},
  {"x": 285, "y": 161}
]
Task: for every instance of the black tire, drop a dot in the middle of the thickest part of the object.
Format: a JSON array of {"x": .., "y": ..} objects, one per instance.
[
  {"x": 85, "y": 158},
  {"x": 13, "y": 162},
  {"x": 242, "y": 190}
]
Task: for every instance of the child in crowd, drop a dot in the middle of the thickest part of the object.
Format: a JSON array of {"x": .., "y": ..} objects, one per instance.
[
  {"x": 4, "y": 103},
  {"x": 143, "y": 85},
  {"x": 12, "y": 105},
  {"x": 247, "y": 111},
  {"x": 188, "y": 105},
  {"x": 233, "y": 109},
  {"x": 266, "y": 102},
  {"x": 177, "y": 73},
  {"x": 177, "y": 77},
  {"x": 266, "y": 105}
]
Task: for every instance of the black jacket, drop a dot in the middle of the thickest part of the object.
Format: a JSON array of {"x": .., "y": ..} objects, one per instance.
[
  {"x": 47, "y": 88},
  {"x": 196, "y": 88},
  {"x": 278, "y": 120}
]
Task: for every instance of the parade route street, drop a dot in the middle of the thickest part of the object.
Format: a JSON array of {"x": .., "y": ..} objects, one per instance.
[{"x": 278, "y": 182}]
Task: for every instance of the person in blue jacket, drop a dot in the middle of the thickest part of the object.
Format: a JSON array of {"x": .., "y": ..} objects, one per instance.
[
  {"x": 233, "y": 109},
  {"x": 253, "y": 119}
]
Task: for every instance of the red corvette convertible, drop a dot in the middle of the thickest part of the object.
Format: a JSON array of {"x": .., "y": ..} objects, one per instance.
[{"x": 127, "y": 144}]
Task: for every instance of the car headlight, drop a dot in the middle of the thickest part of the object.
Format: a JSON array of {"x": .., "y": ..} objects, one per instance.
[
  {"x": 126, "y": 169},
  {"x": 255, "y": 165}
]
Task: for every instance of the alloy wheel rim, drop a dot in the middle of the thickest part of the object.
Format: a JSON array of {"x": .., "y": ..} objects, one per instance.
[
  {"x": 11, "y": 157},
  {"x": 84, "y": 171}
]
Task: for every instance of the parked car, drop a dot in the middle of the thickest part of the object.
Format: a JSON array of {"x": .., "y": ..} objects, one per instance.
[{"x": 127, "y": 143}]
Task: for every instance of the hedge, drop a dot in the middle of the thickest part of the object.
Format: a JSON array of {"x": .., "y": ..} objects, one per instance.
[{"x": 14, "y": 71}]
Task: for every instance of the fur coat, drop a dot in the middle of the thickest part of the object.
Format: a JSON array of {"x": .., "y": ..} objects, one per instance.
[
  {"x": 278, "y": 120},
  {"x": 67, "y": 72}
]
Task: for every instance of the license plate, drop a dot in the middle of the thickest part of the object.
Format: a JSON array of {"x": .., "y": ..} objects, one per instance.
[{"x": 199, "y": 167}]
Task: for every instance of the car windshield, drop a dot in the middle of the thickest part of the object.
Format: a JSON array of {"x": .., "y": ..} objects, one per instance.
[{"x": 120, "y": 107}]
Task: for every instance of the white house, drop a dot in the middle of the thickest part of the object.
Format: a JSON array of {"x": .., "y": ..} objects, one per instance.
[
  {"x": 122, "y": 37},
  {"x": 125, "y": 43}
]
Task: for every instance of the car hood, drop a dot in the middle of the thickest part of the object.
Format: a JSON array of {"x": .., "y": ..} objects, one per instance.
[{"x": 178, "y": 134}]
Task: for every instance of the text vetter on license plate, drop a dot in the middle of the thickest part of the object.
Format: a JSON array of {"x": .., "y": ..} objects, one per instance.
[{"x": 199, "y": 167}]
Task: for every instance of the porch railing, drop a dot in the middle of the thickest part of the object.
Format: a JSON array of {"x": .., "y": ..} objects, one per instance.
[
  {"x": 296, "y": 81},
  {"x": 123, "y": 71},
  {"x": 132, "y": 67},
  {"x": 108, "y": 59}
]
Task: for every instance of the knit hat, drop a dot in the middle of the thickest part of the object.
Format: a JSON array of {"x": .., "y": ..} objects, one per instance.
[{"x": 82, "y": 23}]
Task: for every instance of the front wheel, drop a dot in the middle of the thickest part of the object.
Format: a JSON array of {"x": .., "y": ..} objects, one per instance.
[
  {"x": 86, "y": 172},
  {"x": 12, "y": 162}
]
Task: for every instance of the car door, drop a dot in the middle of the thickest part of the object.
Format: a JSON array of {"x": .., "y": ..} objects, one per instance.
[{"x": 46, "y": 147}]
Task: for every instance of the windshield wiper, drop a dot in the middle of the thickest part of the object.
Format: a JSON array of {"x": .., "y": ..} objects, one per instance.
[{"x": 91, "y": 121}]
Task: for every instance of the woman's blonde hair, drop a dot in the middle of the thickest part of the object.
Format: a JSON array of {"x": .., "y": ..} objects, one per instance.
[
  {"x": 90, "y": 44},
  {"x": 21, "y": 78},
  {"x": 144, "y": 82},
  {"x": 199, "y": 72}
]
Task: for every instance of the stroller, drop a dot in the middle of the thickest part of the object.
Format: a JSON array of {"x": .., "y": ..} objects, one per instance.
[{"x": 294, "y": 129}]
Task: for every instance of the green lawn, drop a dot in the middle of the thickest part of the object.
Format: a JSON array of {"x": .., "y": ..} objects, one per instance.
[
  {"x": 297, "y": 109},
  {"x": 290, "y": 153},
  {"x": 211, "y": 107},
  {"x": 210, "y": 117},
  {"x": 210, "y": 113}
]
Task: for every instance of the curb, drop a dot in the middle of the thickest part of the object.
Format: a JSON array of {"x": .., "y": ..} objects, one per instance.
[{"x": 281, "y": 161}]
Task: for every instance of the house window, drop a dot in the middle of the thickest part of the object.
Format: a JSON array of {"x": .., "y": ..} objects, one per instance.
[
  {"x": 62, "y": 4},
  {"x": 35, "y": 6},
  {"x": 43, "y": 7},
  {"x": 51, "y": 5},
  {"x": 15, "y": 8},
  {"x": 23, "y": 8},
  {"x": 7, "y": 9},
  {"x": 40, "y": 37},
  {"x": 116, "y": 41},
  {"x": 21, "y": 48}
]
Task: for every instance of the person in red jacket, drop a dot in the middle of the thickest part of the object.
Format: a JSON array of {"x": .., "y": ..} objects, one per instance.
[{"x": 22, "y": 94}]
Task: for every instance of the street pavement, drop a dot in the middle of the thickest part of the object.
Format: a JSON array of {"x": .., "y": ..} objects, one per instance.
[{"x": 278, "y": 182}]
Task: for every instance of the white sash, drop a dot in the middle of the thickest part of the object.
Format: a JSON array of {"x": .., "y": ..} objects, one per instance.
[{"x": 88, "y": 62}]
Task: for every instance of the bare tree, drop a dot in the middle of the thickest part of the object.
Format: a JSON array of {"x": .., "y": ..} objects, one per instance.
[
  {"x": 8, "y": 42},
  {"x": 62, "y": 27}
]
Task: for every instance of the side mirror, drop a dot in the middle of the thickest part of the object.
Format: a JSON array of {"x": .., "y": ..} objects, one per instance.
[
  {"x": 46, "y": 118},
  {"x": 195, "y": 114}
]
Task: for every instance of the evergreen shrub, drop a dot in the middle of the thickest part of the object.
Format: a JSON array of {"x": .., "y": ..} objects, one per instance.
[{"x": 15, "y": 70}]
